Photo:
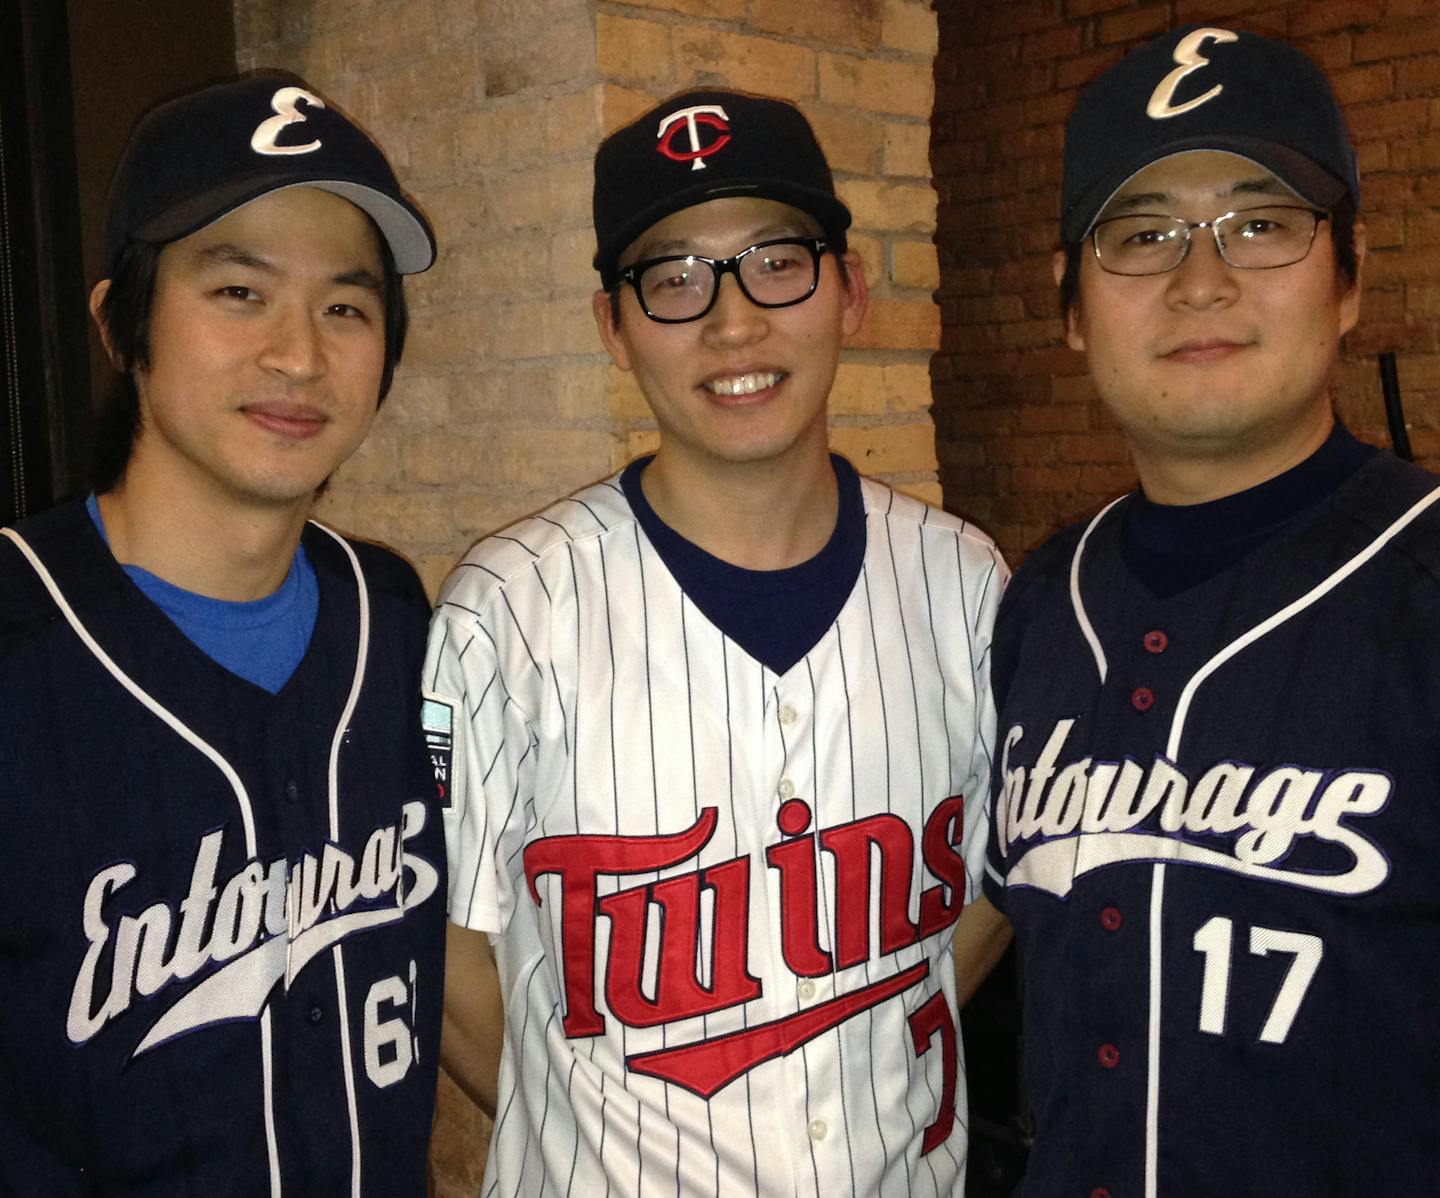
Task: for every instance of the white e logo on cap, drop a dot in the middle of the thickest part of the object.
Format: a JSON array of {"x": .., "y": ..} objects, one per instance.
[
  {"x": 1188, "y": 55},
  {"x": 262, "y": 141}
]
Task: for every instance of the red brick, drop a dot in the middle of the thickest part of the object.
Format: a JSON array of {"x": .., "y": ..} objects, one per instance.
[
  {"x": 1330, "y": 53},
  {"x": 1046, "y": 478},
  {"x": 1106, "y": 481},
  {"x": 1020, "y": 451},
  {"x": 1085, "y": 8},
  {"x": 1359, "y": 84},
  {"x": 1135, "y": 24},
  {"x": 1378, "y": 121},
  {"x": 1371, "y": 158},
  {"x": 1401, "y": 42},
  {"x": 1076, "y": 72},
  {"x": 994, "y": 22},
  {"x": 1103, "y": 448},
  {"x": 1415, "y": 154},
  {"x": 1326, "y": 16},
  {"x": 1054, "y": 418},
  {"x": 1050, "y": 110},
  {"x": 1058, "y": 42},
  {"x": 1213, "y": 12}
]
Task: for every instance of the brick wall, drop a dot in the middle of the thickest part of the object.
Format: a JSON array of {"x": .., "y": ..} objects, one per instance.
[
  {"x": 1023, "y": 444},
  {"x": 491, "y": 111}
]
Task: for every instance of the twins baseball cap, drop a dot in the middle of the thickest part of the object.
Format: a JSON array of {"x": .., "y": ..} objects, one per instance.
[
  {"x": 194, "y": 159},
  {"x": 1202, "y": 88},
  {"x": 705, "y": 145}
]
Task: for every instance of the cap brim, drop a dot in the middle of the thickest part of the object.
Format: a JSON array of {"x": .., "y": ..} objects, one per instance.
[
  {"x": 1310, "y": 181},
  {"x": 411, "y": 243}
]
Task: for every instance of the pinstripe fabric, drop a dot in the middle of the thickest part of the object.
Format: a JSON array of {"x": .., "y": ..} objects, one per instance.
[{"x": 597, "y": 701}]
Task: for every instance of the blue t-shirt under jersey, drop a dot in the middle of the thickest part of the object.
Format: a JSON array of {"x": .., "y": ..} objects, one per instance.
[{"x": 261, "y": 640}]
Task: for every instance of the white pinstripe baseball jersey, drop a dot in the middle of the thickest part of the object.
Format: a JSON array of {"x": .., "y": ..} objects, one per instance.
[{"x": 724, "y": 898}]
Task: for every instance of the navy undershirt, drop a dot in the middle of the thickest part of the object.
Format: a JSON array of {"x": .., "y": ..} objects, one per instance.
[
  {"x": 1170, "y": 548},
  {"x": 776, "y": 616}
]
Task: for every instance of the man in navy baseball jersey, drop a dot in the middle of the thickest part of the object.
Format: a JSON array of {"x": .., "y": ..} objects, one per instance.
[
  {"x": 718, "y": 733},
  {"x": 222, "y": 872},
  {"x": 1215, "y": 825}
]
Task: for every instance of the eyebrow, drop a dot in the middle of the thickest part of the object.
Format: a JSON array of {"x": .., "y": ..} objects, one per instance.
[
  {"x": 663, "y": 249},
  {"x": 228, "y": 254},
  {"x": 1261, "y": 185}
]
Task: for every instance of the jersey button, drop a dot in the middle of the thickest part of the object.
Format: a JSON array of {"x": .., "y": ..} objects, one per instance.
[
  {"x": 818, "y": 1130},
  {"x": 1142, "y": 698},
  {"x": 787, "y": 788},
  {"x": 1156, "y": 641},
  {"x": 1111, "y": 919},
  {"x": 1099, "y": 1192},
  {"x": 787, "y": 714},
  {"x": 1109, "y": 1055},
  {"x": 806, "y": 990},
  {"x": 292, "y": 791},
  {"x": 315, "y": 1015}
]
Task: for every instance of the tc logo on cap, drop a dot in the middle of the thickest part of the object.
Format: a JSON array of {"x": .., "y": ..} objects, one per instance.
[
  {"x": 1187, "y": 54},
  {"x": 690, "y": 120},
  {"x": 263, "y": 140}
]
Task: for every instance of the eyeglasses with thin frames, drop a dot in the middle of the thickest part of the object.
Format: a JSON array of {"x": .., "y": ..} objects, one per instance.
[
  {"x": 1249, "y": 238},
  {"x": 684, "y": 287}
]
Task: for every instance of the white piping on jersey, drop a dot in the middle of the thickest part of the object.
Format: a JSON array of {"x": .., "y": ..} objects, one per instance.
[
  {"x": 242, "y": 799},
  {"x": 361, "y": 655},
  {"x": 1172, "y": 751},
  {"x": 1081, "y": 617}
]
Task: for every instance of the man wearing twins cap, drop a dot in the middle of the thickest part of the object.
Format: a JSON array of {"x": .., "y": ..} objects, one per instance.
[
  {"x": 1215, "y": 828},
  {"x": 721, "y": 734},
  {"x": 222, "y": 870}
]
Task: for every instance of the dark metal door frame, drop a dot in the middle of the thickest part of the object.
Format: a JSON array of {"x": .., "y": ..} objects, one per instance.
[{"x": 44, "y": 367}]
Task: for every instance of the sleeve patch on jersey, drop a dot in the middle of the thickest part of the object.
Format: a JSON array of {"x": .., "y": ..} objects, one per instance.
[{"x": 442, "y": 738}]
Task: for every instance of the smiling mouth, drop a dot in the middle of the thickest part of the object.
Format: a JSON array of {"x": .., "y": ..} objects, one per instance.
[
  {"x": 1204, "y": 351},
  {"x": 298, "y": 423},
  {"x": 743, "y": 384}
]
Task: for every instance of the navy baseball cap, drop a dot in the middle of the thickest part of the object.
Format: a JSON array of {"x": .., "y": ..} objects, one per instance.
[
  {"x": 705, "y": 145},
  {"x": 194, "y": 159},
  {"x": 1203, "y": 88}
]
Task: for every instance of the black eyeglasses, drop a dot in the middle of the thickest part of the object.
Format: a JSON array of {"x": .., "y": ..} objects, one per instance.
[
  {"x": 1250, "y": 238},
  {"x": 683, "y": 287}
]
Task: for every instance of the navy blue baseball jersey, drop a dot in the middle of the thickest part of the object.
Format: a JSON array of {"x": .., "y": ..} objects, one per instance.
[
  {"x": 1216, "y": 828},
  {"x": 221, "y": 948}
]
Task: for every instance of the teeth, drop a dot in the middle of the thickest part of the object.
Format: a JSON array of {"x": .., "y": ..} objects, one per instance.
[{"x": 743, "y": 384}]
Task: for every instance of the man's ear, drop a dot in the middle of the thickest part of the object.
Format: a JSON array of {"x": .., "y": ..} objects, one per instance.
[
  {"x": 1073, "y": 337},
  {"x": 857, "y": 294},
  {"x": 97, "y": 298},
  {"x": 607, "y": 324},
  {"x": 1350, "y": 301}
]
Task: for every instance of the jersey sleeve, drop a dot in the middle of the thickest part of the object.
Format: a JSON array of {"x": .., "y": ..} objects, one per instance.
[
  {"x": 988, "y": 588},
  {"x": 481, "y": 745}
]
